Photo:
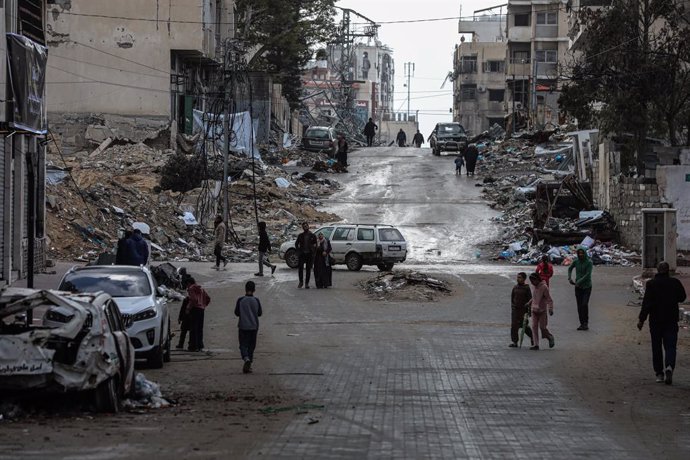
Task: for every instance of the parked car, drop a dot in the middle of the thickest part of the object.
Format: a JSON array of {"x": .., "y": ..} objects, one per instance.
[
  {"x": 80, "y": 345},
  {"x": 320, "y": 138},
  {"x": 135, "y": 292},
  {"x": 356, "y": 245},
  {"x": 448, "y": 137}
]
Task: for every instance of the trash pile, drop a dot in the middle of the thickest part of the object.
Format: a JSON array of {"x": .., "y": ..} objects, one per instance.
[
  {"x": 92, "y": 196},
  {"x": 546, "y": 210},
  {"x": 145, "y": 394},
  {"x": 404, "y": 285}
]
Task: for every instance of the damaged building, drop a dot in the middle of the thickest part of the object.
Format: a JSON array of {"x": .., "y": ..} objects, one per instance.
[
  {"x": 23, "y": 60},
  {"x": 133, "y": 78}
]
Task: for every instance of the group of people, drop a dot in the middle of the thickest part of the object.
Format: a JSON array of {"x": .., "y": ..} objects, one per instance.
[
  {"x": 132, "y": 249},
  {"x": 468, "y": 159},
  {"x": 314, "y": 252},
  {"x": 662, "y": 295},
  {"x": 370, "y": 129}
]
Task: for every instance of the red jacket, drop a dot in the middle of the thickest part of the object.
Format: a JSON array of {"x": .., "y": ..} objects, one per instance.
[
  {"x": 545, "y": 271},
  {"x": 198, "y": 297}
]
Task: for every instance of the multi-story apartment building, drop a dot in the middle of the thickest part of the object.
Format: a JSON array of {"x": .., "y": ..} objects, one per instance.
[
  {"x": 479, "y": 96},
  {"x": 537, "y": 42},
  {"x": 156, "y": 61},
  {"x": 23, "y": 58}
]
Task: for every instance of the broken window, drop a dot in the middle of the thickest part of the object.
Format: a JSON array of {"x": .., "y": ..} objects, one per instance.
[
  {"x": 468, "y": 64},
  {"x": 30, "y": 20},
  {"x": 522, "y": 19},
  {"x": 494, "y": 66},
  {"x": 496, "y": 95},
  {"x": 468, "y": 92}
]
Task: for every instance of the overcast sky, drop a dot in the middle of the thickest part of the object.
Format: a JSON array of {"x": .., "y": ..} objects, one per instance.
[{"x": 428, "y": 44}]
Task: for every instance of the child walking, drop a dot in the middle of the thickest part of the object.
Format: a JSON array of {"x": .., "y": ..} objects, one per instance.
[
  {"x": 519, "y": 304},
  {"x": 541, "y": 302},
  {"x": 459, "y": 163},
  {"x": 248, "y": 310}
]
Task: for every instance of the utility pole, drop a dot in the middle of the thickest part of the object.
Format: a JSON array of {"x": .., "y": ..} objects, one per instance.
[
  {"x": 409, "y": 71},
  {"x": 514, "y": 87},
  {"x": 226, "y": 132}
]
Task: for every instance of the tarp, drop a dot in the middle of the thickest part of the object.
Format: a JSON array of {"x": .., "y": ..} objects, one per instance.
[
  {"x": 27, "y": 70},
  {"x": 242, "y": 131}
]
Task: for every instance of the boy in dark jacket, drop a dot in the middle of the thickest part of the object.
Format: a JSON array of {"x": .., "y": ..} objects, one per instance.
[
  {"x": 248, "y": 310},
  {"x": 519, "y": 298},
  {"x": 264, "y": 249}
]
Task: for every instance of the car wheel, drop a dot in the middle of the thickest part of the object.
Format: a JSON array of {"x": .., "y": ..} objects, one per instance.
[
  {"x": 353, "y": 261},
  {"x": 436, "y": 151},
  {"x": 156, "y": 359},
  {"x": 106, "y": 397},
  {"x": 166, "y": 353},
  {"x": 291, "y": 258},
  {"x": 385, "y": 267}
]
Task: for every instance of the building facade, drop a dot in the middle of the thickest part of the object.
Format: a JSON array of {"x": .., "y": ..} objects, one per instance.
[
  {"x": 23, "y": 59},
  {"x": 479, "y": 83}
]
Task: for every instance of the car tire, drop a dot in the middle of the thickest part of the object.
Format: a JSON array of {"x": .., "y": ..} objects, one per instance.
[
  {"x": 353, "y": 262},
  {"x": 292, "y": 258},
  {"x": 385, "y": 267},
  {"x": 106, "y": 396},
  {"x": 436, "y": 151},
  {"x": 156, "y": 358},
  {"x": 166, "y": 352}
]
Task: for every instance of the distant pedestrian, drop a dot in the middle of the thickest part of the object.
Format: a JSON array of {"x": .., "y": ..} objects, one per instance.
[
  {"x": 583, "y": 286},
  {"x": 219, "y": 233},
  {"x": 520, "y": 297},
  {"x": 341, "y": 154},
  {"x": 264, "y": 249},
  {"x": 471, "y": 155},
  {"x": 138, "y": 250},
  {"x": 541, "y": 304},
  {"x": 370, "y": 131},
  {"x": 662, "y": 295},
  {"x": 306, "y": 248},
  {"x": 545, "y": 269},
  {"x": 123, "y": 254},
  {"x": 198, "y": 300},
  {"x": 401, "y": 138},
  {"x": 248, "y": 310},
  {"x": 418, "y": 139},
  {"x": 323, "y": 271},
  {"x": 459, "y": 163}
]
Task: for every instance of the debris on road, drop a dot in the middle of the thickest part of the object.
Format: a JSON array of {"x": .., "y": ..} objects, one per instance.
[
  {"x": 405, "y": 285},
  {"x": 145, "y": 394}
]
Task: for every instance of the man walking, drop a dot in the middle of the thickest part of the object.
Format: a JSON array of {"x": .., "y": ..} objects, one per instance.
[
  {"x": 370, "y": 131},
  {"x": 264, "y": 249},
  {"x": 661, "y": 297},
  {"x": 418, "y": 139},
  {"x": 583, "y": 286},
  {"x": 219, "y": 232},
  {"x": 401, "y": 138},
  {"x": 306, "y": 248}
]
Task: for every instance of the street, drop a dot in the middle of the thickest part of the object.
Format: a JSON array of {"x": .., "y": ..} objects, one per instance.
[{"x": 338, "y": 375}]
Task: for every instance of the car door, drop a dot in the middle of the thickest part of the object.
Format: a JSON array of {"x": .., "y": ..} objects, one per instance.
[
  {"x": 365, "y": 242},
  {"x": 342, "y": 242}
]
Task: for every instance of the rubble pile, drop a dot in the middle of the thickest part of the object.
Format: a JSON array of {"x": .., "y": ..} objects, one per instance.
[
  {"x": 404, "y": 285},
  {"x": 92, "y": 196},
  {"x": 545, "y": 210}
]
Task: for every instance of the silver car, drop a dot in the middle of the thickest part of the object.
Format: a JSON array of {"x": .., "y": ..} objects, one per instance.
[
  {"x": 135, "y": 292},
  {"x": 80, "y": 345}
]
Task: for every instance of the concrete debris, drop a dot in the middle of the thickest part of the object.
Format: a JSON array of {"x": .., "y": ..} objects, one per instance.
[
  {"x": 120, "y": 184},
  {"x": 546, "y": 211},
  {"x": 405, "y": 285}
]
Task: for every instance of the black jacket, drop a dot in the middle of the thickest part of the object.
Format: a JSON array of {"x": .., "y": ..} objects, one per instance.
[
  {"x": 661, "y": 297},
  {"x": 306, "y": 243},
  {"x": 264, "y": 241}
]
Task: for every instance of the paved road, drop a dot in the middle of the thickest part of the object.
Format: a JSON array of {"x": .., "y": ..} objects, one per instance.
[{"x": 373, "y": 379}]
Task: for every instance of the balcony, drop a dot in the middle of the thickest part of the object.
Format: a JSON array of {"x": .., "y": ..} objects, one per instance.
[
  {"x": 519, "y": 67},
  {"x": 546, "y": 31},
  {"x": 547, "y": 69},
  {"x": 520, "y": 34}
]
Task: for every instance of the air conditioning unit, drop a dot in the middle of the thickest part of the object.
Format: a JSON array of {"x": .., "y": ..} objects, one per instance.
[{"x": 481, "y": 89}]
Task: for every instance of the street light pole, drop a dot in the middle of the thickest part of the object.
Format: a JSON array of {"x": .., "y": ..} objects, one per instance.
[{"x": 409, "y": 71}]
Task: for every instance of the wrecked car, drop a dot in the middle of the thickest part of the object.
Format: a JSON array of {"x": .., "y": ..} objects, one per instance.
[
  {"x": 135, "y": 291},
  {"x": 79, "y": 344}
]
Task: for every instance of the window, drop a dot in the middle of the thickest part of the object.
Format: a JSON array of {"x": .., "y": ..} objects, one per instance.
[
  {"x": 497, "y": 121},
  {"x": 30, "y": 19},
  {"x": 496, "y": 95},
  {"x": 522, "y": 19},
  {"x": 468, "y": 92},
  {"x": 343, "y": 234},
  {"x": 548, "y": 18},
  {"x": 547, "y": 56},
  {"x": 390, "y": 234},
  {"x": 326, "y": 232},
  {"x": 365, "y": 234},
  {"x": 116, "y": 283},
  {"x": 494, "y": 66},
  {"x": 519, "y": 56},
  {"x": 468, "y": 64}
]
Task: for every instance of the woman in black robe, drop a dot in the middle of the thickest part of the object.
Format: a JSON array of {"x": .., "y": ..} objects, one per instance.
[{"x": 323, "y": 272}]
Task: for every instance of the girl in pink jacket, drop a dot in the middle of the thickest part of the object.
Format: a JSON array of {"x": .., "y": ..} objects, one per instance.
[{"x": 541, "y": 304}]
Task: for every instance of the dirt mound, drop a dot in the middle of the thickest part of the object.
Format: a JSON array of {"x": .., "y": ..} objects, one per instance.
[{"x": 405, "y": 285}]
